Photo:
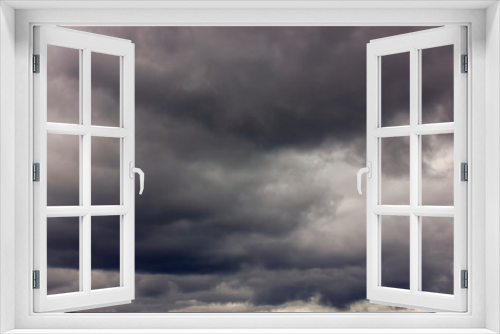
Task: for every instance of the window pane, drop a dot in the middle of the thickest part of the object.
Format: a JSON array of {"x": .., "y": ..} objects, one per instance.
[
  {"x": 395, "y": 252},
  {"x": 437, "y": 169},
  {"x": 63, "y": 85},
  {"x": 63, "y": 255},
  {"x": 437, "y": 84},
  {"x": 105, "y": 89},
  {"x": 105, "y": 252},
  {"x": 437, "y": 254},
  {"x": 395, "y": 89},
  {"x": 105, "y": 171},
  {"x": 395, "y": 167},
  {"x": 63, "y": 170}
]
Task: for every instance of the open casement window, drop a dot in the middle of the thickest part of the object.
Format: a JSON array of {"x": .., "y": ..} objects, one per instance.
[
  {"x": 413, "y": 207},
  {"x": 67, "y": 136}
]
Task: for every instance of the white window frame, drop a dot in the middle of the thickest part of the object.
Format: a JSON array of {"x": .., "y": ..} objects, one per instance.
[
  {"x": 483, "y": 21},
  {"x": 86, "y": 44},
  {"x": 414, "y": 43}
]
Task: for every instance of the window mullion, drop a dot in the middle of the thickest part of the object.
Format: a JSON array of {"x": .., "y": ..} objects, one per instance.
[
  {"x": 123, "y": 176},
  {"x": 419, "y": 159},
  {"x": 80, "y": 168},
  {"x": 85, "y": 165},
  {"x": 414, "y": 172}
]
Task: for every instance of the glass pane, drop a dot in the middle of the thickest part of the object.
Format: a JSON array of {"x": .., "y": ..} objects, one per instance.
[
  {"x": 105, "y": 90},
  {"x": 105, "y": 171},
  {"x": 395, "y": 167},
  {"x": 437, "y": 84},
  {"x": 437, "y": 254},
  {"x": 437, "y": 169},
  {"x": 395, "y": 89},
  {"x": 63, "y": 255},
  {"x": 395, "y": 252},
  {"x": 63, "y": 85},
  {"x": 63, "y": 170},
  {"x": 105, "y": 239}
]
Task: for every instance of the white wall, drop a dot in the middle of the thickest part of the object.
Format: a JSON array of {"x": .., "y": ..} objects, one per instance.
[
  {"x": 492, "y": 163},
  {"x": 7, "y": 163}
]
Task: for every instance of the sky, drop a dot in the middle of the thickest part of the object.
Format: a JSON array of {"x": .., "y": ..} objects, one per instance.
[{"x": 250, "y": 139}]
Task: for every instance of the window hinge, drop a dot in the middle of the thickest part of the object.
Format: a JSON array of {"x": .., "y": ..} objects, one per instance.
[
  {"x": 465, "y": 64},
  {"x": 36, "y": 172},
  {"x": 464, "y": 172},
  {"x": 465, "y": 279},
  {"x": 36, "y": 279},
  {"x": 36, "y": 63}
]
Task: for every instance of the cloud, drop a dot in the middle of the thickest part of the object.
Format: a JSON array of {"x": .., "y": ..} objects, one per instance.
[
  {"x": 250, "y": 138},
  {"x": 166, "y": 293}
]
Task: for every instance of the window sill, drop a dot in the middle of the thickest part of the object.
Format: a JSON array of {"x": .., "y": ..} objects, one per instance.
[{"x": 252, "y": 331}]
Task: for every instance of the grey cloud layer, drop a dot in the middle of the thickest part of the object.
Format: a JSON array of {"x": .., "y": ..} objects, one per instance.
[{"x": 250, "y": 138}]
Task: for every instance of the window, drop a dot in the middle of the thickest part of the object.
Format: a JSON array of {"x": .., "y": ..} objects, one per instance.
[
  {"x": 106, "y": 192},
  {"x": 483, "y": 153},
  {"x": 413, "y": 135},
  {"x": 67, "y": 141}
]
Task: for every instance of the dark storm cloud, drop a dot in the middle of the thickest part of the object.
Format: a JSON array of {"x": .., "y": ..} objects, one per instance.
[
  {"x": 437, "y": 84},
  {"x": 395, "y": 89},
  {"x": 63, "y": 177},
  {"x": 105, "y": 171},
  {"x": 250, "y": 138},
  {"x": 437, "y": 256},
  {"x": 63, "y": 85},
  {"x": 395, "y": 165},
  {"x": 251, "y": 224},
  {"x": 395, "y": 257},
  {"x": 438, "y": 169},
  {"x": 105, "y": 89},
  {"x": 249, "y": 82},
  {"x": 105, "y": 239},
  {"x": 253, "y": 286},
  {"x": 63, "y": 240},
  {"x": 60, "y": 280}
]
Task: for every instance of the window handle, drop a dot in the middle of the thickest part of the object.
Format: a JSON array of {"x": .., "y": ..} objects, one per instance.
[
  {"x": 141, "y": 175},
  {"x": 368, "y": 171}
]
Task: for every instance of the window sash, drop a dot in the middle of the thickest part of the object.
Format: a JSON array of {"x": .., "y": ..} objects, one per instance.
[
  {"x": 86, "y": 43},
  {"x": 413, "y": 43}
]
